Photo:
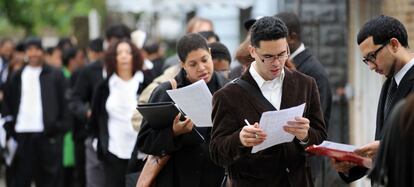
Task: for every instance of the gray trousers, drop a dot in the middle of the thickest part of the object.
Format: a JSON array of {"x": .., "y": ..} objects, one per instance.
[{"x": 95, "y": 176}]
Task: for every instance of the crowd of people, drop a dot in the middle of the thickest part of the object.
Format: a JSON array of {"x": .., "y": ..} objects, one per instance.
[{"x": 72, "y": 112}]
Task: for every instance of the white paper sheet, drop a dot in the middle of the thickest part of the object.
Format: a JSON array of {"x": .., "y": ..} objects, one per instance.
[
  {"x": 272, "y": 123},
  {"x": 195, "y": 101},
  {"x": 338, "y": 146},
  {"x": 3, "y": 134},
  {"x": 11, "y": 148}
]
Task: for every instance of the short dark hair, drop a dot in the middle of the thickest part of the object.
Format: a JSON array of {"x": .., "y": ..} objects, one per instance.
[
  {"x": 291, "y": 21},
  {"x": 190, "y": 42},
  {"x": 33, "y": 42},
  {"x": 119, "y": 31},
  {"x": 151, "y": 46},
  {"x": 219, "y": 51},
  {"x": 50, "y": 50},
  {"x": 266, "y": 29},
  {"x": 20, "y": 46},
  {"x": 96, "y": 45},
  {"x": 64, "y": 43},
  {"x": 382, "y": 29},
  {"x": 111, "y": 53},
  {"x": 68, "y": 54}
]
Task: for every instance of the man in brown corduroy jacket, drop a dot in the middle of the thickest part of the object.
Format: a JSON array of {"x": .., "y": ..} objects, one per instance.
[{"x": 266, "y": 85}]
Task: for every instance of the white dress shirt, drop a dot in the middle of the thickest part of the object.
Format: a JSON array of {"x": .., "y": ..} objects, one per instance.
[
  {"x": 298, "y": 51},
  {"x": 272, "y": 89},
  {"x": 400, "y": 74},
  {"x": 120, "y": 106},
  {"x": 30, "y": 115}
]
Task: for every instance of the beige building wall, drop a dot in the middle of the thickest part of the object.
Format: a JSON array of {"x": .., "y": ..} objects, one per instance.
[
  {"x": 403, "y": 10},
  {"x": 365, "y": 85}
]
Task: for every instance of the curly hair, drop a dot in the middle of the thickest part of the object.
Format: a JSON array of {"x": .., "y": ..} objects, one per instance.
[
  {"x": 111, "y": 54},
  {"x": 266, "y": 29}
]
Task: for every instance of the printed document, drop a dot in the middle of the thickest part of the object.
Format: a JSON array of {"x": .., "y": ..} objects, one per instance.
[
  {"x": 272, "y": 123},
  {"x": 337, "y": 146},
  {"x": 195, "y": 101}
]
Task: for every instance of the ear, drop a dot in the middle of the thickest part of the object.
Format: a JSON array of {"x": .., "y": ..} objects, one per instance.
[
  {"x": 252, "y": 51},
  {"x": 292, "y": 37},
  {"x": 395, "y": 44},
  {"x": 182, "y": 64}
]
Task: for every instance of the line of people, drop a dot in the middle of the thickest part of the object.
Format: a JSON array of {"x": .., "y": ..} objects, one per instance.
[
  {"x": 72, "y": 117},
  {"x": 54, "y": 105}
]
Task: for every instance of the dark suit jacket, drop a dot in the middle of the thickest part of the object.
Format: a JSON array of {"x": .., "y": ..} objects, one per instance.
[
  {"x": 405, "y": 87},
  {"x": 189, "y": 164},
  {"x": 306, "y": 63},
  {"x": 53, "y": 87},
  {"x": 280, "y": 165},
  {"x": 88, "y": 79}
]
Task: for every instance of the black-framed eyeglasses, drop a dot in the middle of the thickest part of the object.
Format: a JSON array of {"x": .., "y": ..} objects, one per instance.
[
  {"x": 373, "y": 56},
  {"x": 271, "y": 58}
]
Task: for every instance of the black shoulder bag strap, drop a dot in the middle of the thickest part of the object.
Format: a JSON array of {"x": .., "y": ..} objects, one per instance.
[{"x": 250, "y": 89}]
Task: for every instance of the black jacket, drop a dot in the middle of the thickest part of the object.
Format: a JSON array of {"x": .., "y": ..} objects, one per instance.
[
  {"x": 306, "y": 63},
  {"x": 99, "y": 120},
  {"x": 405, "y": 87},
  {"x": 87, "y": 80},
  {"x": 189, "y": 164},
  {"x": 53, "y": 86}
]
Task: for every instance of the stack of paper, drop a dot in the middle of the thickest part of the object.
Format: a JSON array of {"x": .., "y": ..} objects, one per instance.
[
  {"x": 272, "y": 123},
  {"x": 195, "y": 101}
]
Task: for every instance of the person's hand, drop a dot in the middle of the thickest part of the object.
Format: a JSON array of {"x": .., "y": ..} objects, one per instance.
[
  {"x": 342, "y": 166},
  {"x": 88, "y": 114},
  {"x": 369, "y": 150},
  {"x": 252, "y": 135},
  {"x": 299, "y": 128},
  {"x": 182, "y": 127}
]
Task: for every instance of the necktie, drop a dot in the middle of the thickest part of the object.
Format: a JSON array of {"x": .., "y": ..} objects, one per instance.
[{"x": 390, "y": 94}]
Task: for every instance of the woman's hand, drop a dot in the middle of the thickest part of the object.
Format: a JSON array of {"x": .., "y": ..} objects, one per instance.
[{"x": 182, "y": 127}]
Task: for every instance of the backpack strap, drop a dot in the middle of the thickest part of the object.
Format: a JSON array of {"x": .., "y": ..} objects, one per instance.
[{"x": 173, "y": 83}]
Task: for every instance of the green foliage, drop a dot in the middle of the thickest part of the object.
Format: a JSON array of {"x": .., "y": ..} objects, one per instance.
[
  {"x": 36, "y": 15},
  {"x": 8, "y": 30}
]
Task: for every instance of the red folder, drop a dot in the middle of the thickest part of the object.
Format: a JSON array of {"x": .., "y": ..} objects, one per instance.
[{"x": 340, "y": 155}]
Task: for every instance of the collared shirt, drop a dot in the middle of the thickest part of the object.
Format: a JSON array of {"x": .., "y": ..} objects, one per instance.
[
  {"x": 272, "y": 89},
  {"x": 104, "y": 74},
  {"x": 148, "y": 65},
  {"x": 298, "y": 51},
  {"x": 400, "y": 74},
  {"x": 120, "y": 106},
  {"x": 30, "y": 115},
  {"x": 3, "y": 70}
]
